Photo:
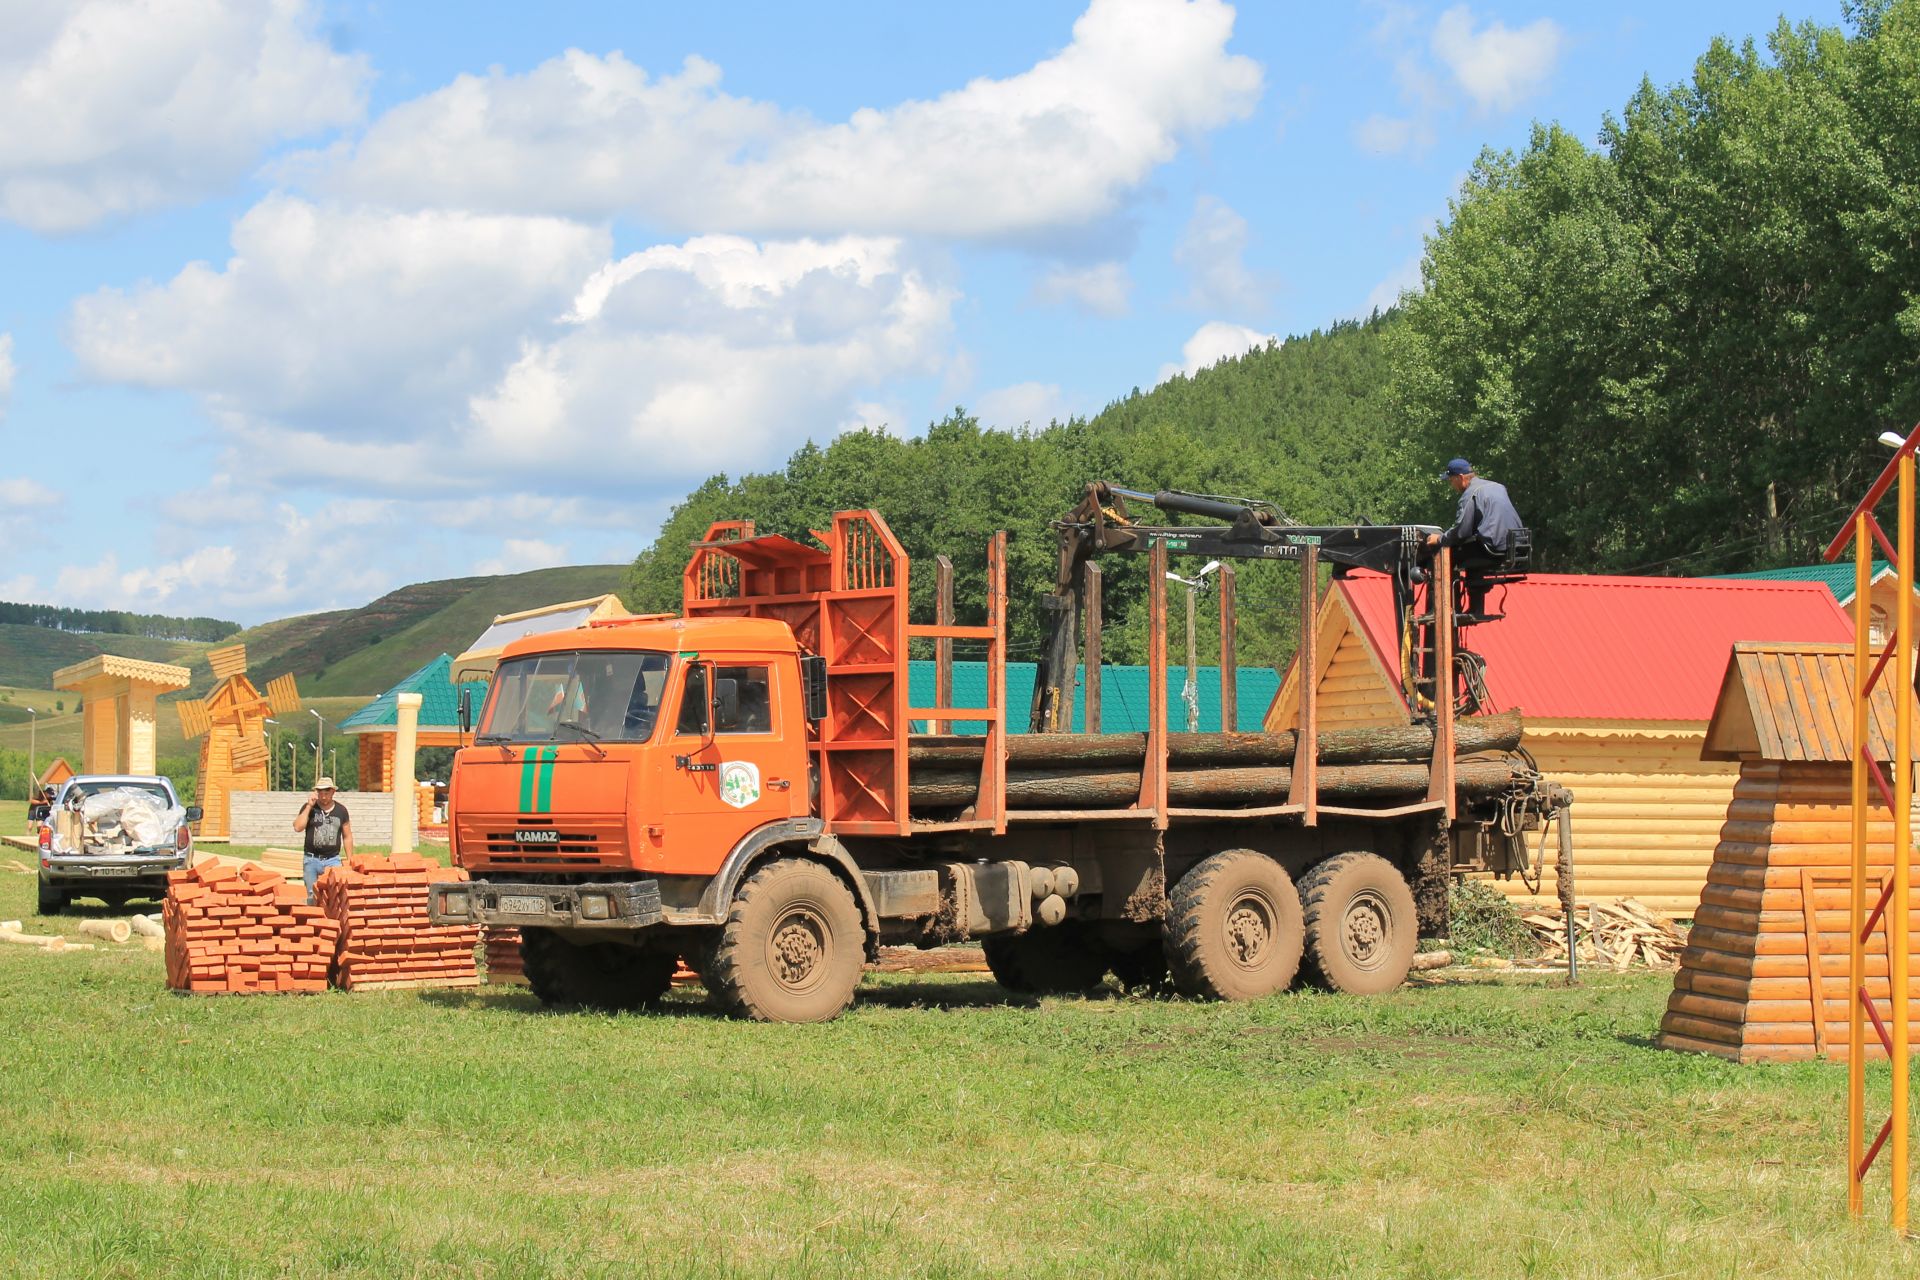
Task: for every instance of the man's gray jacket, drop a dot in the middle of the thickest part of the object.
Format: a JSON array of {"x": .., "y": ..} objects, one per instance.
[{"x": 1486, "y": 516}]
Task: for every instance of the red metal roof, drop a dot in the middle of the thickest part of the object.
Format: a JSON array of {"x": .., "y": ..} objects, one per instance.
[{"x": 1577, "y": 647}]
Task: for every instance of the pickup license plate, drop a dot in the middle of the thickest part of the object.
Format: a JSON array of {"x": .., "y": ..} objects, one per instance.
[
  {"x": 115, "y": 871},
  {"x": 536, "y": 835},
  {"x": 521, "y": 904}
]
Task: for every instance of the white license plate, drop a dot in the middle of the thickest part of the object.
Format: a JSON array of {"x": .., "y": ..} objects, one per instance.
[
  {"x": 522, "y": 904},
  {"x": 116, "y": 871}
]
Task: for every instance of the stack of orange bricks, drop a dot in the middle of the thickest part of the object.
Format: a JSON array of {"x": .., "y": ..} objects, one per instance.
[
  {"x": 231, "y": 929},
  {"x": 501, "y": 948},
  {"x": 386, "y": 939}
]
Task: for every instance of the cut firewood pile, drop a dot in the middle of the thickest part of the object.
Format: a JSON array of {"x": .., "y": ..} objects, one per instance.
[
  {"x": 1068, "y": 770},
  {"x": 231, "y": 930},
  {"x": 1617, "y": 935},
  {"x": 500, "y": 953},
  {"x": 386, "y": 939}
]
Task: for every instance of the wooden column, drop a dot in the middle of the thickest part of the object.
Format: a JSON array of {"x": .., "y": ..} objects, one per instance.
[
  {"x": 404, "y": 801},
  {"x": 1305, "y": 788}
]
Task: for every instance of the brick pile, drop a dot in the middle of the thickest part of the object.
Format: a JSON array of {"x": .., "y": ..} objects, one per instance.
[
  {"x": 244, "y": 930},
  {"x": 500, "y": 948},
  {"x": 386, "y": 939}
]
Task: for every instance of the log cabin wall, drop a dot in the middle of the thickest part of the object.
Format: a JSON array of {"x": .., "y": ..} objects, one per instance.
[{"x": 1647, "y": 810}]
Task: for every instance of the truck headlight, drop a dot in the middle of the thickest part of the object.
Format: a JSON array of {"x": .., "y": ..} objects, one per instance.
[
  {"x": 595, "y": 906},
  {"x": 455, "y": 904}
]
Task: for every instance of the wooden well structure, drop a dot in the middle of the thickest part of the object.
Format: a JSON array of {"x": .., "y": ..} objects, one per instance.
[{"x": 1764, "y": 976}]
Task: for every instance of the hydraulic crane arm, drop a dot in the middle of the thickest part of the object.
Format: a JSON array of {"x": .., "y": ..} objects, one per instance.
[{"x": 1255, "y": 530}]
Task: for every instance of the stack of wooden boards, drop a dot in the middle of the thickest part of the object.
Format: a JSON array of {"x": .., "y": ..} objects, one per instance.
[
  {"x": 245, "y": 930},
  {"x": 386, "y": 939},
  {"x": 500, "y": 948},
  {"x": 1617, "y": 935}
]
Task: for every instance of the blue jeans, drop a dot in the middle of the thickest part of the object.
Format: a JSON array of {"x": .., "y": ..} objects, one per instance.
[{"x": 315, "y": 864}]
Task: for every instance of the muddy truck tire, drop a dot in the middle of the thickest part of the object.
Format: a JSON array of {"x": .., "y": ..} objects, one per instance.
[
  {"x": 1062, "y": 959},
  {"x": 1234, "y": 928},
  {"x": 793, "y": 947},
  {"x": 595, "y": 975},
  {"x": 1362, "y": 925}
]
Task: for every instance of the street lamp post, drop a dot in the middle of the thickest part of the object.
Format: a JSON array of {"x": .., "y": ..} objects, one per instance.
[
  {"x": 320, "y": 739},
  {"x": 270, "y": 721},
  {"x": 293, "y": 764},
  {"x": 33, "y": 771}
]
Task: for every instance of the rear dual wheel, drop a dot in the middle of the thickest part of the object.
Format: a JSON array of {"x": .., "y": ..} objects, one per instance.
[
  {"x": 1362, "y": 924},
  {"x": 1234, "y": 928}
]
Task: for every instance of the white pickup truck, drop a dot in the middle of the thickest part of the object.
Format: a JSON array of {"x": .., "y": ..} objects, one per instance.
[{"x": 113, "y": 837}]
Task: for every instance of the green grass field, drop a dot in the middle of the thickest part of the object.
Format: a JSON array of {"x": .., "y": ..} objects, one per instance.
[{"x": 939, "y": 1129}]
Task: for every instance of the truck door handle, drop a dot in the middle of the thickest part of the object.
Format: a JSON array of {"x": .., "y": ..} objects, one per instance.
[{"x": 778, "y": 784}]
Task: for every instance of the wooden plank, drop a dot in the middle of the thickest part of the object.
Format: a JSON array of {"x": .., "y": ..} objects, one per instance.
[
  {"x": 1092, "y": 597},
  {"x": 1835, "y": 741}
]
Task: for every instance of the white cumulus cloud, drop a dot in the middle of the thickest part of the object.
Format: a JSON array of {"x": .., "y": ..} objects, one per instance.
[
  {"x": 1496, "y": 65},
  {"x": 717, "y": 354},
  {"x": 111, "y": 107},
  {"x": 591, "y": 136},
  {"x": 350, "y": 324},
  {"x": 1213, "y": 342}
]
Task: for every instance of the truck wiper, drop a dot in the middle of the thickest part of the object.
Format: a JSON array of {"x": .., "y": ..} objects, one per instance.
[
  {"x": 491, "y": 739},
  {"x": 578, "y": 728}
]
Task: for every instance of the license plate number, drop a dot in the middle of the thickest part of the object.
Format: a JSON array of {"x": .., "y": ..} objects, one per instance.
[
  {"x": 520, "y": 904},
  {"x": 536, "y": 835},
  {"x": 115, "y": 871}
]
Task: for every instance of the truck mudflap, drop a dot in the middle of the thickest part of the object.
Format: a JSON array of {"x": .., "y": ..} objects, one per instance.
[{"x": 622, "y": 904}]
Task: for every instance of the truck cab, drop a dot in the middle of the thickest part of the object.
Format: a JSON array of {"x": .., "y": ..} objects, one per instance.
[{"x": 646, "y": 749}]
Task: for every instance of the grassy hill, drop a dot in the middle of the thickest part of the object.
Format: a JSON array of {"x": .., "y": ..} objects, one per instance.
[{"x": 343, "y": 654}]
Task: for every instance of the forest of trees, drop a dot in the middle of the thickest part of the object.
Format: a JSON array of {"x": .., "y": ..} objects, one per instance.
[
  {"x": 1676, "y": 347},
  {"x": 157, "y": 626}
]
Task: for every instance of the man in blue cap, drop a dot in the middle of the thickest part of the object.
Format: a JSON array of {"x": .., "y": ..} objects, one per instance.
[{"x": 1482, "y": 532}]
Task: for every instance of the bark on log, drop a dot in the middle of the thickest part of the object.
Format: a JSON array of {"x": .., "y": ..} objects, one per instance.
[
  {"x": 111, "y": 930},
  {"x": 1206, "y": 750},
  {"x": 1119, "y": 788}
]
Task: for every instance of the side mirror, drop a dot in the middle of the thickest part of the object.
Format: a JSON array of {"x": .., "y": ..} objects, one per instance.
[
  {"x": 38, "y": 812},
  {"x": 466, "y": 709},
  {"x": 813, "y": 679},
  {"x": 195, "y": 813}
]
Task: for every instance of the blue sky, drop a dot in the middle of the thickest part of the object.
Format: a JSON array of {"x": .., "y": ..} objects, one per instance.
[{"x": 303, "y": 301}]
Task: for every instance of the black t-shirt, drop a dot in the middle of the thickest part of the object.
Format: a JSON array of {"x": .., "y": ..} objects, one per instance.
[{"x": 324, "y": 828}]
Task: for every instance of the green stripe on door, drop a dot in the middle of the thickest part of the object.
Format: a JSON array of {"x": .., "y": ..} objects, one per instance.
[{"x": 527, "y": 769}]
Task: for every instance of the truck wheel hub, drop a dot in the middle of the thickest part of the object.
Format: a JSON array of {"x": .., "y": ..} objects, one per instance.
[
  {"x": 1249, "y": 930},
  {"x": 1366, "y": 929},
  {"x": 797, "y": 946}
]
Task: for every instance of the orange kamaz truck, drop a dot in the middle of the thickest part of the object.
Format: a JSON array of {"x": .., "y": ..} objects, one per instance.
[{"x": 743, "y": 786}]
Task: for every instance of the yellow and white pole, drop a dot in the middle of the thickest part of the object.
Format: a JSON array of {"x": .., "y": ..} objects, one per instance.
[{"x": 405, "y": 802}]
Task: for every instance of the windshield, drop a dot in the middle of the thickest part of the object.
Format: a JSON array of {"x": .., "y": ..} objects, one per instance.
[{"x": 595, "y": 696}]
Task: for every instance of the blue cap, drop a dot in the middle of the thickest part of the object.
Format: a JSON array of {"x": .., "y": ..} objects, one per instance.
[{"x": 1459, "y": 467}]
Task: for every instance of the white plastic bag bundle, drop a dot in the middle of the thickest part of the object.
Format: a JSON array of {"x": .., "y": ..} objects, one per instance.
[{"x": 143, "y": 820}]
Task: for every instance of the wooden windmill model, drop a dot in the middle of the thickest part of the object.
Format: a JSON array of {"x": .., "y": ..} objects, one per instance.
[{"x": 231, "y": 717}]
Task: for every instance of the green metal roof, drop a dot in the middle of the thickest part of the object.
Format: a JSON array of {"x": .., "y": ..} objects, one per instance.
[
  {"x": 1124, "y": 696},
  {"x": 439, "y": 701},
  {"x": 1838, "y": 577}
]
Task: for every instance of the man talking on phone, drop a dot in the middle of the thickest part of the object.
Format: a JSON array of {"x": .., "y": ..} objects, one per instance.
[{"x": 329, "y": 832}]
